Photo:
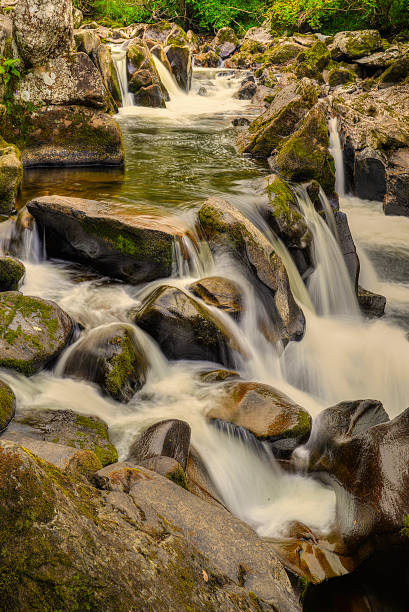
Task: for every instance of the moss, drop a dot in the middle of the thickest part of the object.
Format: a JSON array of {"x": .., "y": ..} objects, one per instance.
[
  {"x": 302, "y": 429},
  {"x": 405, "y": 529},
  {"x": 280, "y": 54},
  {"x": 12, "y": 272},
  {"x": 312, "y": 62},
  {"x": 340, "y": 76},
  {"x": 362, "y": 43},
  {"x": 281, "y": 198},
  {"x": 178, "y": 476},
  {"x": 7, "y": 405},
  {"x": 101, "y": 445},
  {"x": 396, "y": 72},
  {"x": 121, "y": 366}
]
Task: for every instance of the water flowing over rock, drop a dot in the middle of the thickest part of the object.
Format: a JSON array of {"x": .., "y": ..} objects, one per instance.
[
  {"x": 112, "y": 357},
  {"x": 140, "y": 62},
  {"x": 179, "y": 58},
  {"x": 220, "y": 292},
  {"x": 7, "y": 405},
  {"x": 166, "y": 438},
  {"x": 132, "y": 248},
  {"x": 186, "y": 329},
  {"x": 226, "y": 227},
  {"x": 43, "y": 29},
  {"x": 265, "y": 412},
  {"x": 33, "y": 332}
]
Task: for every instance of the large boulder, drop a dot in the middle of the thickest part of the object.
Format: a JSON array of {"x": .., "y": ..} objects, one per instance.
[
  {"x": 33, "y": 332},
  {"x": 129, "y": 247},
  {"x": 223, "y": 293},
  {"x": 169, "y": 438},
  {"x": 65, "y": 428},
  {"x": 289, "y": 106},
  {"x": 43, "y": 29},
  {"x": 186, "y": 329},
  {"x": 140, "y": 60},
  {"x": 225, "y": 42},
  {"x": 228, "y": 229},
  {"x": 111, "y": 357},
  {"x": 11, "y": 174},
  {"x": 102, "y": 58},
  {"x": 350, "y": 46},
  {"x": 65, "y": 136},
  {"x": 305, "y": 154},
  {"x": 67, "y": 81},
  {"x": 180, "y": 61},
  {"x": 7, "y": 405},
  {"x": 396, "y": 201},
  {"x": 12, "y": 272},
  {"x": 264, "y": 411}
]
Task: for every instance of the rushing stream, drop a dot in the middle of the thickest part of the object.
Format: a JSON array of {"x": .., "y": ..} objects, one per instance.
[{"x": 176, "y": 158}]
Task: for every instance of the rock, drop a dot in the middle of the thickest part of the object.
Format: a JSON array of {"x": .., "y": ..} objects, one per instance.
[
  {"x": 140, "y": 58},
  {"x": 290, "y": 104},
  {"x": 203, "y": 92},
  {"x": 12, "y": 273},
  {"x": 220, "y": 292},
  {"x": 7, "y": 405},
  {"x": 165, "y": 32},
  {"x": 281, "y": 212},
  {"x": 266, "y": 413},
  {"x": 305, "y": 154},
  {"x": 102, "y": 58},
  {"x": 199, "y": 480},
  {"x": 151, "y": 95},
  {"x": 43, "y": 29},
  {"x": 181, "y": 64},
  {"x": 211, "y": 376},
  {"x": 225, "y": 42},
  {"x": 87, "y": 41},
  {"x": 210, "y": 59},
  {"x": 261, "y": 35},
  {"x": 112, "y": 357},
  {"x": 366, "y": 458},
  {"x": 77, "y": 17},
  {"x": 140, "y": 78},
  {"x": 167, "y": 467},
  {"x": 33, "y": 332},
  {"x": 186, "y": 329},
  {"x": 72, "y": 461},
  {"x": 340, "y": 76},
  {"x": 64, "y": 81},
  {"x": 247, "y": 91},
  {"x": 169, "y": 438},
  {"x": 396, "y": 72},
  {"x": 355, "y": 45},
  {"x": 371, "y": 304},
  {"x": 382, "y": 59},
  {"x": 11, "y": 174},
  {"x": 396, "y": 200},
  {"x": 283, "y": 53},
  {"x": 240, "y": 121},
  {"x": 347, "y": 246},
  {"x": 128, "y": 247},
  {"x": 311, "y": 62},
  {"x": 226, "y": 227},
  {"x": 67, "y": 136},
  {"x": 6, "y": 34},
  {"x": 370, "y": 175},
  {"x": 66, "y": 428}
]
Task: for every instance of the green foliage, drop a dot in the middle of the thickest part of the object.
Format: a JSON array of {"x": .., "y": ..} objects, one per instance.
[{"x": 8, "y": 70}]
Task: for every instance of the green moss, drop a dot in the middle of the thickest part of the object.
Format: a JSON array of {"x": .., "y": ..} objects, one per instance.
[
  {"x": 7, "y": 405},
  {"x": 396, "y": 72},
  {"x": 281, "y": 198},
  {"x": 11, "y": 273},
  {"x": 121, "y": 366},
  {"x": 101, "y": 445},
  {"x": 340, "y": 76},
  {"x": 280, "y": 54},
  {"x": 179, "y": 478},
  {"x": 405, "y": 529},
  {"x": 302, "y": 429}
]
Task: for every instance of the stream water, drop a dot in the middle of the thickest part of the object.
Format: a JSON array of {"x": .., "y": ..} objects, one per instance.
[{"x": 176, "y": 158}]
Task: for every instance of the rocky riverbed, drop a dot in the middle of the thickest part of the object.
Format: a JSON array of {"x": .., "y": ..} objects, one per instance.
[{"x": 203, "y": 389}]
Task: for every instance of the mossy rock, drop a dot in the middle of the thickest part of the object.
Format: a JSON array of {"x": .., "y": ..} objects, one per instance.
[
  {"x": 111, "y": 357},
  {"x": 354, "y": 45},
  {"x": 305, "y": 154},
  {"x": 281, "y": 54},
  {"x": 11, "y": 175},
  {"x": 222, "y": 293},
  {"x": 396, "y": 72},
  {"x": 340, "y": 76},
  {"x": 7, "y": 405},
  {"x": 312, "y": 62},
  {"x": 33, "y": 332},
  {"x": 12, "y": 272}
]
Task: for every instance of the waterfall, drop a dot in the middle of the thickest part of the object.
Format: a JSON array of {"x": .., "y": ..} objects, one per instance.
[
  {"x": 337, "y": 154},
  {"x": 119, "y": 58},
  {"x": 168, "y": 80}
]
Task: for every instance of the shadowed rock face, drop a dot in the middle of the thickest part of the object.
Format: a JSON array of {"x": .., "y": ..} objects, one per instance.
[
  {"x": 220, "y": 292},
  {"x": 169, "y": 438},
  {"x": 132, "y": 248}
]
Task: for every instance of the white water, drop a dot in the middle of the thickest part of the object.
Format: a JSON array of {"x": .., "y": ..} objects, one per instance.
[
  {"x": 337, "y": 154},
  {"x": 119, "y": 58},
  {"x": 168, "y": 80}
]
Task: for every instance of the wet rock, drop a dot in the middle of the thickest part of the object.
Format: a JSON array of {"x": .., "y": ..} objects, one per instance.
[
  {"x": 290, "y": 104},
  {"x": 140, "y": 59},
  {"x": 370, "y": 175},
  {"x": 67, "y": 428},
  {"x": 33, "y": 332},
  {"x": 11, "y": 174},
  {"x": 246, "y": 91},
  {"x": 151, "y": 95},
  {"x": 199, "y": 480},
  {"x": 305, "y": 154},
  {"x": 167, "y": 467},
  {"x": 371, "y": 304},
  {"x": 102, "y": 58},
  {"x": 180, "y": 61},
  {"x": 220, "y": 292},
  {"x": 226, "y": 228},
  {"x": 68, "y": 136},
  {"x": 347, "y": 246},
  {"x": 7, "y": 405},
  {"x": 185, "y": 329},
  {"x": 396, "y": 200},
  {"x": 169, "y": 438},
  {"x": 350, "y": 46},
  {"x": 203, "y": 92},
  {"x": 12, "y": 272},
  {"x": 282, "y": 214},
  {"x": 43, "y": 29},
  {"x": 140, "y": 78},
  {"x": 111, "y": 357},
  {"x": 64, "y": 81},
  {"x": 266, "y": 413},
  {"x": 240, "y": 121},
  {"x": 218, "y": 375},
  {"x": 366, "y": 459},
  {"x": 128, "y": 247}
]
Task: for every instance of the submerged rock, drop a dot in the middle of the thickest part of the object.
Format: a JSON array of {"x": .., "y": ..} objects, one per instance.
[
  {"x": 7, "y": 405},
  {"x": 169, "y": 438},
  {"x": 132, "y": 248},
  {"x": 227, "y": 229},
  {"x": 266, "y": 413},
  {"x": 11, "y": 174},
  {"x": 185, "y": 329},
  {"x": 33, "y": 332},
  {"x": 112, "y": 357},
  {"x": 220, "y": 292},
  {"x": 66, "y": 428}
]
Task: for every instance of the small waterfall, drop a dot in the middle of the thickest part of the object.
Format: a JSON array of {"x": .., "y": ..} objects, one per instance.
[
  {"x": 337, "y": 154},
  {"x": 329, "y": 285},
  {"x": 167, "y": 79},
  {"x": 119, "y": 58}
]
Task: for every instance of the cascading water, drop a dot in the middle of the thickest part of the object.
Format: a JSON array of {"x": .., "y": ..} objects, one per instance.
[
  {"x": 119, "y": 57},
  {"x": 337, "y": 154},
  {"x": 168, "y": 80}
]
